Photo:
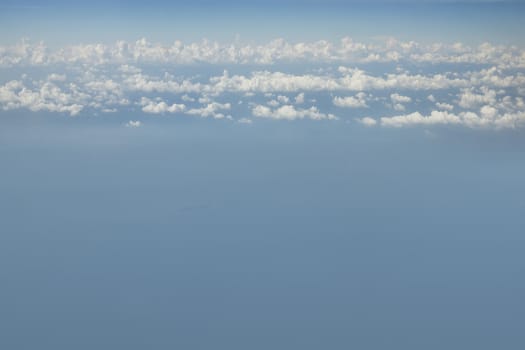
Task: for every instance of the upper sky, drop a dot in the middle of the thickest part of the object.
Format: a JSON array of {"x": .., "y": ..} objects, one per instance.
[{"x": 67, "y": 22}]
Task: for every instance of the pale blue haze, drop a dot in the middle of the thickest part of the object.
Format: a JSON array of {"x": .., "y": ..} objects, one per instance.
[{"x": 195, "y": 233}]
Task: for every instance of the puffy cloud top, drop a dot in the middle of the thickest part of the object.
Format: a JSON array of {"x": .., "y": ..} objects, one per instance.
[{"x": 475, "y": 87}]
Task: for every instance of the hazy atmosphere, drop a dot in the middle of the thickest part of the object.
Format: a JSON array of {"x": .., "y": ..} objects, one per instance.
[{"x": 262, "y": 175}]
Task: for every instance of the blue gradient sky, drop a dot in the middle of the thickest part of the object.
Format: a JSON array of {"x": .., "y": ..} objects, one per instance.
[{"x": 59, "y": 22}]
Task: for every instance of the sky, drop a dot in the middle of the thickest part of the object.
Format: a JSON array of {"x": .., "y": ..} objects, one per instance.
[{"x": 259, "y": 175}]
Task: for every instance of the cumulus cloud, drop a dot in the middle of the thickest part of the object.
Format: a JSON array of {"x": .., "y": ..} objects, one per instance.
[
  {"x": 289, "y": 112},
  {"x": 350, "y": 79},
  {"x": 470, "y": 99},
  {"x": 44, "y": 97},
  {"x": 445, "y": 106},
  {"x": 133, "y": 124},
  {"x": 150, "y": 106},
  {"x": 367, "y": 121},
  {"x": 299, "y": 99},
  {"x": 486, "y": 119},
  {"x": 397, "y": 98},
  {"x": 488, "y": 112},
  {"x": 483, "y": 88},
  {"x": 283, "y": 99},
  {"x": 187, "y": 98},
  {"x": 416, "y": 118},
  {"x": 273, "y": 103},
  {"x": 346, "y": 50},
  {"x": 211, "y": 110},
  {"x": 357, "y": 101}
]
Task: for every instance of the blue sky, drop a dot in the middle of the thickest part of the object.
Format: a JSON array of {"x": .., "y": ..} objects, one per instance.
[
  {"x": 257, "y": 175},
  {"x": 68, "y": 22}
]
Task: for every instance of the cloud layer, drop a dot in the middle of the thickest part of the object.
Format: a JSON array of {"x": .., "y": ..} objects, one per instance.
[
  {"x": 409, "y": 85},
  {"x": 278, "y": 50}
]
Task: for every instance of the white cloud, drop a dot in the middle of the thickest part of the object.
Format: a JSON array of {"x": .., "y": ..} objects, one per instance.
[
  {"x": 150, "y": 106},
  {"x": 266, "y": 81},
  {"x": 145, "y": 83},
  {"x": 488, "y": 112},
  {"x": 346, "y": 50},
  {"x": 367, "y": 121},
  {"x": 397, "y": 98},
  {"x": 283, "y": 99},
  {"x": 445, "y": 106},
  {"x": 299, "y": 99},
  {"x": 436, "y": 117},
  {"x": 133, "y": 124},
  {"x": 204, "y": 99},
  {"x": 469, "y": 99},
  {"x": 289, "y": 112},
  {"x": 187, "y": 98},
  {"x": 107, "y": 78},
  {"x": 357, "y": 79},
  {"x": 357, "y": 101},
  {"x": 211, "y": 110},
  {"x": 398, "y": 107},
  {"x": 486, "y": 119},
  {"x": 44, "y": 97}
]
